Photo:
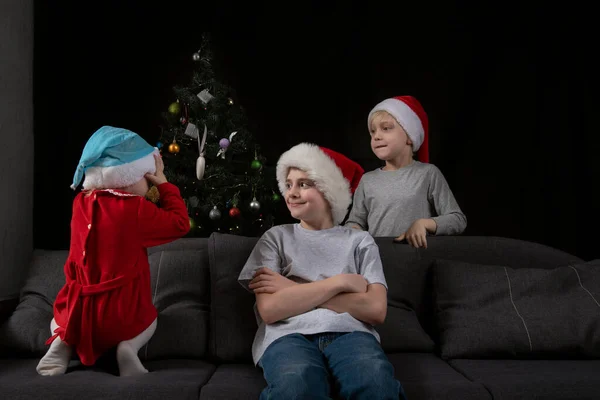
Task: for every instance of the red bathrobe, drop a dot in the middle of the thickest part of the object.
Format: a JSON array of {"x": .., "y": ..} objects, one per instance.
[{"x": 107, "y": 296}]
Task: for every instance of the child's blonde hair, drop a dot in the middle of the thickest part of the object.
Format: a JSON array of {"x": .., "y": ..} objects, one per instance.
[{"x": 380, "y": 114}]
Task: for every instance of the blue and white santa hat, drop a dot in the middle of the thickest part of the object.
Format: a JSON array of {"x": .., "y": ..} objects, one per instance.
[{"x": 114, "y": 158}]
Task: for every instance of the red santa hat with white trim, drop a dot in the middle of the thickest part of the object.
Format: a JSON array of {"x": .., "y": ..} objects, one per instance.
[
  {"x": 411, "y": 115},
  {"x": 334, "y": 174}
]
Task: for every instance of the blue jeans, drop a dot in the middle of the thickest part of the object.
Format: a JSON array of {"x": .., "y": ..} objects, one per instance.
[{"x": 308, "y": 366}]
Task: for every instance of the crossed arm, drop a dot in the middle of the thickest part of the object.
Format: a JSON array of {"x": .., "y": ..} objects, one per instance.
[{"x": 279, "y": 298}]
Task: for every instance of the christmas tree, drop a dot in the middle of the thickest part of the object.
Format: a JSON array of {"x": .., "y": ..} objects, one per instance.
[{"x": 211, "y": 155}]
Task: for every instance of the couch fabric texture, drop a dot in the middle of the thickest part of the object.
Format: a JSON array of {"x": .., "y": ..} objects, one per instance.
[{"x": 468, "y": 318}]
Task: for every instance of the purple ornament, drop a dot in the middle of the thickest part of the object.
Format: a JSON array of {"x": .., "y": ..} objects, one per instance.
[{"x": 224, "y": 143}]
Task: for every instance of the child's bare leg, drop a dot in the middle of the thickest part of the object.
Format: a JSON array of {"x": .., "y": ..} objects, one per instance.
[
  {"x": 127, "y": 352},
  {"x": 57, "y": 358}
]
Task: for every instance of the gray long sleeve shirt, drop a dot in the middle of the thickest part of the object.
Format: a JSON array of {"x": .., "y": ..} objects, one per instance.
[{"x": 386, "y": 203}]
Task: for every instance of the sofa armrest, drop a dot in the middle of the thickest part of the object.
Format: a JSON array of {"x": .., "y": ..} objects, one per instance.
[{"x": 6, "y": 308}]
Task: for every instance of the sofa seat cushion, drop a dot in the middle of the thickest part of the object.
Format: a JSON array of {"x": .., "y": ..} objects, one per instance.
[
  {"x": 423, "y": 376},
  {"x": 167, "y": 379},
  {"x": 426, "y": 376},
  {"x": 534, "y": 379},
  {"x": 234, "y": 381}
]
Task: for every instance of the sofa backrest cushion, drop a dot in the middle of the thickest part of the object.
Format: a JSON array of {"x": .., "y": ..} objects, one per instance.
[
  {"x": 181, "y": 293},
  {"x": 494, "y": 311},
  {"x": 233, "y": 323},
  {"x": 25, "y": 332},
  {"x": 180, "y": 290},
  {"x": 409, "y": 269}
]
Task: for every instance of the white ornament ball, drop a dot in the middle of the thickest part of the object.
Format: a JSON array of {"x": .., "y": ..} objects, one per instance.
[
  {"x": 214, "y": 214},
  {"x": 254, "y": 205}
]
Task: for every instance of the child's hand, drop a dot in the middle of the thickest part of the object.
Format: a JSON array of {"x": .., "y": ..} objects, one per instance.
[
  {"x": 158, "y": 177},
  {"x": 353, "y": 283},
  {"x": 416, "y": 235},
  {"x": 266, "y": 280}
]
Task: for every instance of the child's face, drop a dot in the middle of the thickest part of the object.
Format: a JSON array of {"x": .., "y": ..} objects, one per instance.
[
  {"x": 304, "y": 200},
  {"x": 388, "y": 139}
]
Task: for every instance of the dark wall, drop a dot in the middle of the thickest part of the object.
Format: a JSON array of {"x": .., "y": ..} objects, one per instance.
[
  {"x": 510, "y": 92},
  {"x": 16, "y": 152}
]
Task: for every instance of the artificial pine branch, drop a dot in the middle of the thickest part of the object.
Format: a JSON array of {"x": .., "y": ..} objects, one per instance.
[{"x": 228, "y": 181}]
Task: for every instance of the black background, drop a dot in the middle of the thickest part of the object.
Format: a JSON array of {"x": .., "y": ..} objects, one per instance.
[{"x": 510, "y": 89}]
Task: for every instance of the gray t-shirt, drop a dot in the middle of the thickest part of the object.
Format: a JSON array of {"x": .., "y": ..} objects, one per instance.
[
  {"x": 386, "y": 203},
  {"x": 304, "y": 255}
]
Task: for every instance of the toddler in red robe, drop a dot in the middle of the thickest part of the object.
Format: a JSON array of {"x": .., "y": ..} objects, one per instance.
[{"x": 107, "y": 300}]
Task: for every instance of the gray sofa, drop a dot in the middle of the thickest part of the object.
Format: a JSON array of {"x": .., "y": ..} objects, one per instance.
[{"x": 468, "y": 318}]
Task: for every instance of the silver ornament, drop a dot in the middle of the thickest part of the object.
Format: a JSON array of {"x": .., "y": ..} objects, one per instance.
[
  {"x": 196, "y": 56},
  {"x": 214, "y": 214},
  {"x": 254, "y": 205}
]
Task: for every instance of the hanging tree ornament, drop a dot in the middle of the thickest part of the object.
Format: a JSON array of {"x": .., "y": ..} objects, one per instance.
[
  {"x": 224, "y": 144},
  {"x": 234, "y": 212},
  {"x": 196, "y": 56},
  {"x": 201, "y": 161},
  {"x": 174, "y": 147},
  {"x": 191, "y": 130},
  {"x": 175, "y": 108},
  {"x": 256, "y": 164},
  {"x": 205, "y": 96},
  {"x": 184, "y": 118},
  {"x": 254, "y": 205},
  {"x": 214, "y": 214}
]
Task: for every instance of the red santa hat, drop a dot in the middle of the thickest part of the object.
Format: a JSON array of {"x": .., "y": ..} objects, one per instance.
[
  {"x": 411, "y": 115},
  {"x": 334, "y": 175}
]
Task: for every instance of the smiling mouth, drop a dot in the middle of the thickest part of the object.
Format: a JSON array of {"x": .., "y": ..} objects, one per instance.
[{"x": 381, "y": 146}]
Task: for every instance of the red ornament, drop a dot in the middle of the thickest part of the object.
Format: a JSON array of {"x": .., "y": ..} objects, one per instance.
[{"x": 234, "y": 212}]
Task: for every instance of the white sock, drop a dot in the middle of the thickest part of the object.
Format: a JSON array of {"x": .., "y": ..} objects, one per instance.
[
  {"x": 56, "y": 360},
  {"x": 127, "y": 352}
]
